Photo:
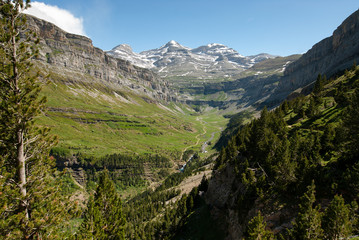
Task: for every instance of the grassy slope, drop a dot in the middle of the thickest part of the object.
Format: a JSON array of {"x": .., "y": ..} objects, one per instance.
[{"x": 97, "y": 122}]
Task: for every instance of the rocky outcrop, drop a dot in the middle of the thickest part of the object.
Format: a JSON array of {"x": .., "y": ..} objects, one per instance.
[
  {"x": 225, "y": 196},
  {"x": 327, "y": 57},
  {"x": 221, "y": 198},
  {"x": 66, "y": 53}
]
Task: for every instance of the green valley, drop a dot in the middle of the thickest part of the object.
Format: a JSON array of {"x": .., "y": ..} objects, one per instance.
[
  {"x": 98, "y": 123},
  {"x": 175, "y": 142}
]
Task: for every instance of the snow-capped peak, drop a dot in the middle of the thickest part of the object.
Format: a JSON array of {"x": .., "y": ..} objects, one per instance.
[
  {"x": 124, "y": 51},
  {"x": 211, "y": 45},
  {"x": 123, "y": 47},
  {"x": 174, "y": 45},
  {"x": 173, "y": 59}
]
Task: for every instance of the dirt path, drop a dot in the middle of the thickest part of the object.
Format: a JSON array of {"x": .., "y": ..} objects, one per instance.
[{"x": 197, "y": 137}]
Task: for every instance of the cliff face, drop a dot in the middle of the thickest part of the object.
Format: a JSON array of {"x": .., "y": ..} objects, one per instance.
[
  {"x": 221, "y": 197},
  {"x": 327, "y": 57},
  {"x": 75, "y": 55}
]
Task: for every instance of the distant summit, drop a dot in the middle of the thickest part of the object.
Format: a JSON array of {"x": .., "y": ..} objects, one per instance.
[
  {"x": 173, "y": 44},
  {"x": 173, "y": 59},
  {"x": 125, "y": 52}
]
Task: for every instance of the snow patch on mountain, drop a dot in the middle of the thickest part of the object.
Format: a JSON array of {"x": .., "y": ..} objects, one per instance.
[
  {"x": 125, "y": 52},
  {"x": 174, "y": 59}
]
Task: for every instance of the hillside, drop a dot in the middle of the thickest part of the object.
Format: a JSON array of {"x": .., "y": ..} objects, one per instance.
[
  {"x": 268, "y": 165},
  {"x": 100, "y": 106},
  {"x": 248, "y": 91}
]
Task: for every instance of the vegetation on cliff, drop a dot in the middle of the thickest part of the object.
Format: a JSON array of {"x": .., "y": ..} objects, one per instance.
[{"x": 308, "y": 141}]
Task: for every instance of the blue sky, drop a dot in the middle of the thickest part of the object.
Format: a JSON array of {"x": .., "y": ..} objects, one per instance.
[{"x": 279, "y": 27}]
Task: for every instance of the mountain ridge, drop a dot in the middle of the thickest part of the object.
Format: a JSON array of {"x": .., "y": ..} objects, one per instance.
[
  {"x": 173, "y": 59},
  {"x": 327, "y": 57},
  {"x": 66, "y": 52}
]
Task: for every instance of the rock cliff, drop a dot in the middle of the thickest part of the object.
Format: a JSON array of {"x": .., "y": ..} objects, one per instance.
[
  {"x": 327, "y": 57},
  {"x": 234, "y": 205},
  {"x": 221, "y": 197},
  {"x": 75, "y": 56}
]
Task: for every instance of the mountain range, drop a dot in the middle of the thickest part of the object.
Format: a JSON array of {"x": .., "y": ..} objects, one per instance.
[
  {"x": 202, "y": 73},
  {"x": 172, "y": 59},
  {"x": 213, "y": 74}
]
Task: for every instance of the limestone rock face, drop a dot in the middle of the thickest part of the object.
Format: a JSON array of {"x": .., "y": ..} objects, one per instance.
[
  {"x": 327, "y": 57},
  {"x": 76, "y": 57},
  {"x": 222, "y": 194}
]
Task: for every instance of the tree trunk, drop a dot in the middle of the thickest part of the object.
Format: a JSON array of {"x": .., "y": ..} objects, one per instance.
[{"x": 21, "y": 160}]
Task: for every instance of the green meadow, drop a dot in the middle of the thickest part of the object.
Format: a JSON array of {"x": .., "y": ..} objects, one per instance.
[{"x": 96, "y": 123}]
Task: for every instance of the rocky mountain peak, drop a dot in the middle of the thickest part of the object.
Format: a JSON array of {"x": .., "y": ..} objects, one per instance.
[
  {"x": 123, "y": 48},
  {"x": 125, "y": 52},
  {"x": 170, "y": 47},
  {"x": 173, "y": 43},
  {"x": 215, "y": 49},
  {"x": 209, "y": 61}
]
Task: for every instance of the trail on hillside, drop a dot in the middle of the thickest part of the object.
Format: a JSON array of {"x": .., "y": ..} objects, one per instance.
[
  {"x": 197, "y": 136},
  {"x": 205, "y": 144}
]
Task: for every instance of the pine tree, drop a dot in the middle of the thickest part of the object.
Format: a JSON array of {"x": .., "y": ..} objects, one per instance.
[
  {"x": 31, "y": 202},
  {"x": 336, "y": 220},
  {"x": 104, "y": 218},
  {"x": 257, "y": 229},
  {"x": 203, "y": 186},
  {"x": 312, "y": 108},
  {"x": 285, "y": 107},
  {"x": 319, "y": 85},
  {"x": 351, "y": 124},
  {"x": 308, "y": 222}
]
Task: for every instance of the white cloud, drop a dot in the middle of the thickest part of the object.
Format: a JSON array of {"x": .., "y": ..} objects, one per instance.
[{"x": 60, "y": 17}]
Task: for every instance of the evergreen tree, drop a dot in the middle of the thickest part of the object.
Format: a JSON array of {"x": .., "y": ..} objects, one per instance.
[
  {"x": 30, "y": 200},
  {"x": 312, "y": 109},
  {"x": 203, "y": 186},
  {"x": 351, "y": 180},
  {"x": 308, "y": 222},
  {"x": 257, "y": 229},
  {"x": 328, "y": 137},
  {"x": 351, "y": 124},
  {"x": 319, "y": 84},
  {"x": 336, "y": 220},
  {"x": 285, "y": 167},
  {"x": 104, "y": 218},
  {"x": 285, "y": 107}
]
